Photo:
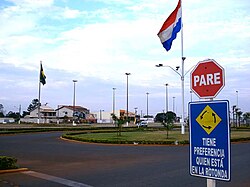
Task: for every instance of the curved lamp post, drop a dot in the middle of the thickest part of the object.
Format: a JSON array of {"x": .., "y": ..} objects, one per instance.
[
  {"x": 182, "y": 75},
  {"x": 127, "y": 74},
  {"x": 166, "y": 97},
  {"x": 147, "y": 105},
  {"x": 74, "y": 101}
]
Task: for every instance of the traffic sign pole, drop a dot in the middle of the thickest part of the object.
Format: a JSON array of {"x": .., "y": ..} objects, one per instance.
[{"x": 211, "y": 182}]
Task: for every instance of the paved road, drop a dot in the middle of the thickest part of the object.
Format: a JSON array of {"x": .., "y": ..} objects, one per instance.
[{"x": 55, "y": 162}]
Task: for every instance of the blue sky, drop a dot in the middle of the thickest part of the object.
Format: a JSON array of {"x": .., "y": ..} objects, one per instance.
[{"x": 97, "y": 42}]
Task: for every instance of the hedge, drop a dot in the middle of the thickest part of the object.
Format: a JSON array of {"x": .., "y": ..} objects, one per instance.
[{"x": 7, "y": 162}]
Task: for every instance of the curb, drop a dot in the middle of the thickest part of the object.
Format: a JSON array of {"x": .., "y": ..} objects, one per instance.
[{"x": 13, "y": 170}]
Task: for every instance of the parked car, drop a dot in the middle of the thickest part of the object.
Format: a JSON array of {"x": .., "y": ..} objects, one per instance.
[{"x": 142, "y": 124}]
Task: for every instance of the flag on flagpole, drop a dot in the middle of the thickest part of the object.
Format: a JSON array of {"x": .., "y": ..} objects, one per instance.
[
  {"x": 42, "y": 75},
  {"x": 171, "y": 27}
]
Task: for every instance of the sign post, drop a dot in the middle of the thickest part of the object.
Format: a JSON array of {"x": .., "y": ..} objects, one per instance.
[{"x": 210, "y": 140}]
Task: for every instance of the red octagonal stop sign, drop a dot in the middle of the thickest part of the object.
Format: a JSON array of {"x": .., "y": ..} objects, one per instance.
[{"x": 207, "y": 79}]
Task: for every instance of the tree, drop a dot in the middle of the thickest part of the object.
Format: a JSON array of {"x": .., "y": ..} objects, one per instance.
[
  {"x": 14, "y": 115},
  {"x": 238, "y": 115},
  {"x": 119, "y": 121},
  {"x": 246, "y": 117},
  {"x": 25, "y": 113},
  {"x": 35, "y": 103},
  {"x": 1, "y": 108},
  {"x": 168, "y": 121},
  {"x": 160, "y": 117},
  {"x": 1, "y": 111}
]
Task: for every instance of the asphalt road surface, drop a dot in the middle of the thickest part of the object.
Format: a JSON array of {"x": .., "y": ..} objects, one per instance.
[{"x": 55, "y": 162}]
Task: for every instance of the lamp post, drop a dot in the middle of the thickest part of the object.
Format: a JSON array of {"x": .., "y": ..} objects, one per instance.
[
  {"x": 234, "y": 107},
  {"x": 101, "y": 115},
  {"x": 20, "y": 108},
  {"x": 173, "y": 104},
  {"x": 237, "y": 93},
  {"x": 136, "y": 110},
  {"x": 191, "y": 96},
  {"x": 237, "y": 107},
  {"x": 182, "y": 75},
  {"x": 74, "y": 101},
  {"x": 135, "y": 121},
  {"x": 147, "y": 105},
  {"x": 19, "y": 113},
  {"x": 57, "y": 118},
  {"x": 166, "y": 97},
  {"x": 127, "y": 74},
  {"x": 114, "y": 103}
]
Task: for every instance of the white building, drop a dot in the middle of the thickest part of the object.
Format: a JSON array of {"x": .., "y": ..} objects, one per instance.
[
  {"x": 45, "y": 112},
  {"x": 105, "y": 117},
  {"x": 47, "y": 115},
  {"x": 67, "y": 110},
  {"x": 7, "y": 120},
  {"x": 63, "y": 113}
]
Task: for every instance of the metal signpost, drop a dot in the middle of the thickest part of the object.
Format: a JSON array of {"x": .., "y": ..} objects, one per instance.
[{"x": 209, "y": 125}]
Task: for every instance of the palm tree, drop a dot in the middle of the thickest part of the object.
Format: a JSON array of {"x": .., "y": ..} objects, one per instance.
[
  {"x": 119, "y": 122},
  {"x": 246, "y": 117},
  {"x": 238, "y": 114}
]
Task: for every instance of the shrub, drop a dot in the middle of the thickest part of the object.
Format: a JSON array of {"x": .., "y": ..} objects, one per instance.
[{"x": 7, "y": 162}]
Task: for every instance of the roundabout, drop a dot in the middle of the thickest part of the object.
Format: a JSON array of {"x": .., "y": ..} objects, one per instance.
[
  {"x": 47, "y": 156},
  {"x": 143, "y": 136}
]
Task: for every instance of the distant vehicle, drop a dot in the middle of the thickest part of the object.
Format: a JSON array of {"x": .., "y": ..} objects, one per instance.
[{"x": 142, "y": 124}]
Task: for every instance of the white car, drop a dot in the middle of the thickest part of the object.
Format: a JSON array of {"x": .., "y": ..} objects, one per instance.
[{"x": 142, "y": 124}]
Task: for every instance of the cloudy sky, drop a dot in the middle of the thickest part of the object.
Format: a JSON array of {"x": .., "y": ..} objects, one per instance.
[{"x": 96, "y": 42}]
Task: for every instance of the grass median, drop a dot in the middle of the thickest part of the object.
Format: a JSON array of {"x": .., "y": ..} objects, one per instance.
[{"x": 146, "y": 137}]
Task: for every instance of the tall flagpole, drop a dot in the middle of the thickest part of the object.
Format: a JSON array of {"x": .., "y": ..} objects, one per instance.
[
  {"x": 182, "y": 75},
  {"x": 39, "y": 94}
]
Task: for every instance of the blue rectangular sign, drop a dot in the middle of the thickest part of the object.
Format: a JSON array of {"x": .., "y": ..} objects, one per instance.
[{"x": 210, "y": 139}]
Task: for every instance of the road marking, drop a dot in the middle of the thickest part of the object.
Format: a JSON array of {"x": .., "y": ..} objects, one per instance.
[{"x": 55, "y": 179}]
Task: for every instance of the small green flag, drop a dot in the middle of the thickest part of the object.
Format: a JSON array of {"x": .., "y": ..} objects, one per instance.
[{"x": 42, "y": 76}]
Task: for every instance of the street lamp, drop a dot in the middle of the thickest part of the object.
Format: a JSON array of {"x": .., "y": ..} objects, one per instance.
[
  {"x": 114, "y": 103},
  {"x": 74, "y": 101},
  {"x": 136, "y": 110},
  {"x": 147, "y": 105},
  {"x": 101, "y": 115},
  {"x": 19, "y": 113},
  {"x": 237, "y": 93},
  {"x": 234, "y": 107},
  {"x": 173, "y": 104},
  {"x": 182, "y": 75},
  {"x": 166, "y": 97},
  {"x": 114, "y": 100},
  {"x": 127, "y": 97}
]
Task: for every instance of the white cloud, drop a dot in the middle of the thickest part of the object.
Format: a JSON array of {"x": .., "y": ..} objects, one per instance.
[
  {"x": 121, "y": 37},
  {"x": 33, "y": 3},
  {"x": 70, "y": 13}
]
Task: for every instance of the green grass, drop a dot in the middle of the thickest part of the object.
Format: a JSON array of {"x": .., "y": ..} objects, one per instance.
[
  {"x": 240, "y": 134},
  {"x": 136, "y": 136},
  {"x": 146, "y": 137}
]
